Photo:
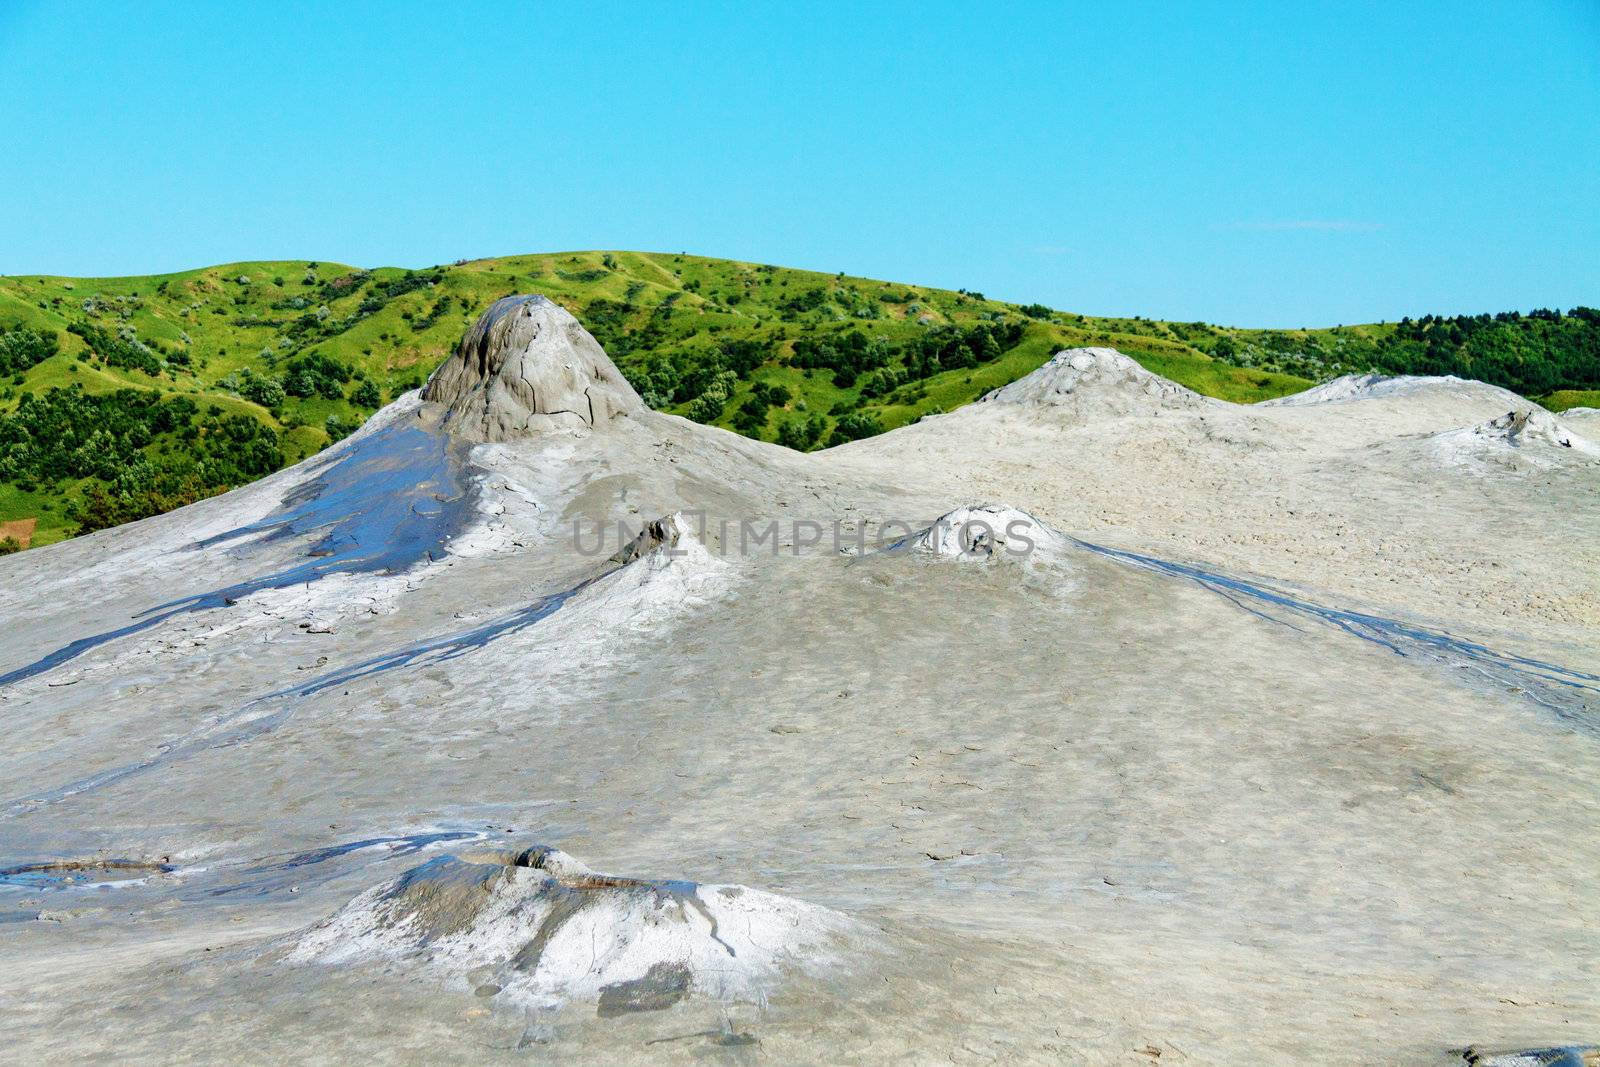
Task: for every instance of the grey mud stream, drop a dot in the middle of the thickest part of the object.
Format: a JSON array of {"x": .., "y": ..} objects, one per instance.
[
  {"x": 267, "y": 713},
  {"x": 140, "y": 882},
  {"x": 1572, "y": 695},
  {"x": 393, "y": 499}
]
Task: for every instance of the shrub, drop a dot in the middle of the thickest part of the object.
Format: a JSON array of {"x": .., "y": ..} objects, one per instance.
[
  {"x": 315, "y": 374},
  {"x": 751, "y": 417},
  {"x": 23, "y": 348},
  {"x": 261, "y": 390},
  {"x": 123, "y": 443},
  {"x": 853, "y": 426},
  {"x": 708, "y": 406},
  {"x": 338, "y": 429},
  {"x": 123, "y": 350},
  {"x": 802, "y": 435},
  {"x": 366, "y": 395},
  {"x": 771, "y": 393}
]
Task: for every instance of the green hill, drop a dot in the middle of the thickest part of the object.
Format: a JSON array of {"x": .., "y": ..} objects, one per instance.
[{"x": 123, "y": 397}]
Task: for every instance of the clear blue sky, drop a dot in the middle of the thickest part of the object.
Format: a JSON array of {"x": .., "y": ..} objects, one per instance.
[{"x": 1252, "y": 164}]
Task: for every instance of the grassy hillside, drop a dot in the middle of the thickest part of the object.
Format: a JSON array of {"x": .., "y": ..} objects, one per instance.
[
  {"x": 122, "y": 397},
  {"x": 1562, "y": 399}
]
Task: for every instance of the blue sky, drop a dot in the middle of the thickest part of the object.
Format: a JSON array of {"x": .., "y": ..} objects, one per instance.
[{"x": 1250, "y": 164}]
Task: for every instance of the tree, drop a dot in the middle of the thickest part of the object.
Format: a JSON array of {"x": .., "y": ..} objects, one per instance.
[
  {"x": 854, "y": 426},
  {"x": 751, "y": 417},
  {"x": 23, "y": 348},
  {"x": 260, "y": 390},
  {"x": 338, "y": 429},
  {"x": 366, "y": 395},
  {"x": 802, "y": 435}
]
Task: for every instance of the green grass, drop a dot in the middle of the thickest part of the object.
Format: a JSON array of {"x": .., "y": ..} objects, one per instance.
[
  {"x": 1562, "y": 399},
  {"x": 48, "y": 507},
  {"x": 1206, "y": 375}
]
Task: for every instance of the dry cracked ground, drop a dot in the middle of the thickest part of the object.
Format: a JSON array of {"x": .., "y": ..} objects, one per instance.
[{"x": 1098, "y": 722}]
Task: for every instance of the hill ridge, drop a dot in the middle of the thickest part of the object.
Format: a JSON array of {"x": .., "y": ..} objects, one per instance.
[{"x": 241, "y": 368}]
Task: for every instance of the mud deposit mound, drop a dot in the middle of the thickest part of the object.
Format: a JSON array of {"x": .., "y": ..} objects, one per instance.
[
  {"x": 1585, "y": 420},
  {"x": 983, "y": 532},
  {"x": 1352, "y": 387},
  {"x": 1092, "y": 383},
  {"x": 537, "y": 927},
  {"x": 1531, "y": 435}
]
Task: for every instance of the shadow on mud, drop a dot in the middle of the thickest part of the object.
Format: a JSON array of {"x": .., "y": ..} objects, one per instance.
[{"x": 1571, "y": 694}]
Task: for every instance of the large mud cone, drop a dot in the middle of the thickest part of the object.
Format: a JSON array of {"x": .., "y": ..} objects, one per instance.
[{"x": 527, "y": 367}]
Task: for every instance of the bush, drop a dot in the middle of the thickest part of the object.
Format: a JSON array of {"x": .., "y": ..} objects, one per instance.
[
  {"x": 260, "y": 390},
  {"x": 709, "y": 405},
  {"x": 854, "y": 426},
  {"x": 124, "y": 443},
  {"x": 751, "y": 417},
  {"x": 881, "y": 382},
  {"x": 22, "y": 348},
  {"x": 366, "y": 395},
  {"x": 315, "y": 374},
  {"x": 771, "y": 393},
  {"x": 338, "y": 429},
  {"x": 802, "y": 435},
  {"x": 846, "y": 354},
  {"x": 120, "y": 351}
]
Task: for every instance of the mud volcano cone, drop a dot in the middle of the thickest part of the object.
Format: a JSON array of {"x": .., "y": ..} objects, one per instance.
[{"x": 528, "y": 367}]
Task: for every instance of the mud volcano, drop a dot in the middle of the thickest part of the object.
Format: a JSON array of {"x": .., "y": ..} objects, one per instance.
[
  {"x": 527, "y": 367},
  {"x": 535, "y": 927}
]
